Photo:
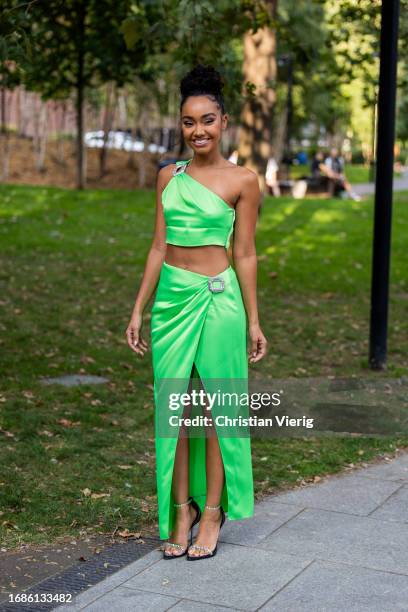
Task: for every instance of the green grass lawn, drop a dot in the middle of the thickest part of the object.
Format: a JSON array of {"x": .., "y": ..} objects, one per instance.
[{"x": 81, "y": 460}]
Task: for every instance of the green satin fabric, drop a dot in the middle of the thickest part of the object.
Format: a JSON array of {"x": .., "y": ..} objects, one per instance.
[
  {"x": 190, "y": 325},
  {"x": 194, "y": 214}
]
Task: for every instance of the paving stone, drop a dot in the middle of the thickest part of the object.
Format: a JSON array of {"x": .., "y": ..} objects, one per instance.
[
  {"x": 399, "y": 184},
  {"x": 397, "y": 469},
  {"x": 395, "y": 508},
  {"x": 123, "y": 599},
  {"x": 268, "y": 516},
  {"x": 333, "y": 587},
  {"x": 348, "y": 550},
  {"x": 193, "y": 606},
  {"x": 109, "y": 583},
  {"x": 334, "y": 536},
  {"x": 341, "y": 494},
  {"x": 239, "y": 577},
  {"x": 73, "y": 380}
]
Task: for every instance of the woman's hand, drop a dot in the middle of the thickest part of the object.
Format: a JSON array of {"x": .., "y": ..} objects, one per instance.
[
  {"x": 134, "y": 336},
  {"x": 259, "y": 343}
]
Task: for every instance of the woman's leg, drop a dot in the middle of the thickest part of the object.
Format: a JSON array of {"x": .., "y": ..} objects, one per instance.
[
  {"x": 180, "y": 488},
  {"x": 214, "y": 469},
  {"x": 184, "y": 515},
  {"x": 209, "y": 526}
]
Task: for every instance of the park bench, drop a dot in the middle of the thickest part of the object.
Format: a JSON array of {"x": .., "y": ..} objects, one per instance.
[{"x": 306, "y": 185}]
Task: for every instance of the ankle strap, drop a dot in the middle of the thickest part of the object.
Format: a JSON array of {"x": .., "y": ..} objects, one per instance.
[
  {"x": 184, "y": 503},
  {"x": 213, "y": 507}
]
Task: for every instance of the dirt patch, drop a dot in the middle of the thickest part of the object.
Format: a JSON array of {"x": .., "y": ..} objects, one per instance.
[
  {"x": 30, "y": 564},
  {"x": 122, "y": 168}
]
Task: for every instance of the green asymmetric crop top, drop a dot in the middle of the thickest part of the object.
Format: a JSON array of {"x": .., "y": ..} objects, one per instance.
[{"x": 195, "y": 215}]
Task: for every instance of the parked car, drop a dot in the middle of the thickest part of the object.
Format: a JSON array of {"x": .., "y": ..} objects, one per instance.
[{"x": 119, "y": 140}]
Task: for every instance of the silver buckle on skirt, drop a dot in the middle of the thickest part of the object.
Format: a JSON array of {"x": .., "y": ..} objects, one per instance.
[{"x": 216, "y": 284}]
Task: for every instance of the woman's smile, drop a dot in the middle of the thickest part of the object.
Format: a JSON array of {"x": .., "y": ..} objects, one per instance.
[{"x": 201, "y": 142}]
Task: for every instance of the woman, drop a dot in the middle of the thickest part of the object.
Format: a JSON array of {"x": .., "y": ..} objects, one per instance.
[{"x": 198, "y": 323}]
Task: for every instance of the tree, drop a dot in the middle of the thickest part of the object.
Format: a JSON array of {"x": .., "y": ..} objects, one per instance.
[
  {"x": 259, "y": 73},
  {"x": 355, "y": 30},
  {"x": 211, "y": 33},
  {"x": 305, "y": 56},
  {"x": 78, "y": 45},
  {"x": 14, "y": 51}
]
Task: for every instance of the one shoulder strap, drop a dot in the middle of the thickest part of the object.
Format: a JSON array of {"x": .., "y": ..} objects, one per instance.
[{"x": 181, "y": 165}]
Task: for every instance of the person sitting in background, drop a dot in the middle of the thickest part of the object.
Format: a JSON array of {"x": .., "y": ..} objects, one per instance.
[
  {"x": 271, "y": 176},
  {"x": 318, "y": 169},
  {"x": 338, "y": 181},
  {"x": 319, "y": 174}
]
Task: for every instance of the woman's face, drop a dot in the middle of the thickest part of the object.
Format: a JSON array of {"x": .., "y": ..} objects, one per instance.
[{"x": 202, "y": 124}]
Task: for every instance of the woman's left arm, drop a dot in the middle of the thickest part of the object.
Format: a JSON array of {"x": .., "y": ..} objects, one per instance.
[{"x": 245, "y": 259}]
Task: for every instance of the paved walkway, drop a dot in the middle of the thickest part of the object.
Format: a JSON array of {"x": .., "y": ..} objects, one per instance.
[
  {"x": 399, "y": 184},
  {"x": 341, "y": 544}
]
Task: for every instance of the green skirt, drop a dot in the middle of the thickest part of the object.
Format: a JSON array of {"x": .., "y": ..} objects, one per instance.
[{"x": 200, "y": 326}]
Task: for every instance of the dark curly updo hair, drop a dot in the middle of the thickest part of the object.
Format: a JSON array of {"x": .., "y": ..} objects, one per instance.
[{"x": 203, "y": 80}]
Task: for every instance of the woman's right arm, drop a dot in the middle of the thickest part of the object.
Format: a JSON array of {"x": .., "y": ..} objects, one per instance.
[{"x": 152, "y": 268}]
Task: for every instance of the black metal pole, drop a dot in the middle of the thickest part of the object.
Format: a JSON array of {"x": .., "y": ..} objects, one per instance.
[{"x": 383, "y": 184}]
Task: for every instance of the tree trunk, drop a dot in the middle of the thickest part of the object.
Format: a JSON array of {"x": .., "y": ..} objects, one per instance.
[
  {"x": 122, "y": 112},
  {"x": 24, "y": 112},
  {"x": 80, "y": 98},
  {"x": 259, "y": 69},
  {"x": 142, "y": 159},
  {"x": 143, "y": 127},
  {"x": 109, "y": 113},
  {"x": 62, "y": 111},
  {"x": 279, "y": 134},
  {"x": 41, "y": 140},
  {"x": 131, "y": 159},
  {"x": 18, "y": 109},
  {"x": 5, "y": 143}
]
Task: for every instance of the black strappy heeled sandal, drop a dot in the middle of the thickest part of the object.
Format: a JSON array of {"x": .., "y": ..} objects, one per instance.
[
  {"x": 195, "y": 521},
  {"x": 210, "y": 553}
]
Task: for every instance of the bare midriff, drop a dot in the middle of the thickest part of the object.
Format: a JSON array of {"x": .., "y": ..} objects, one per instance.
[{"x": 209, "y": 260}]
